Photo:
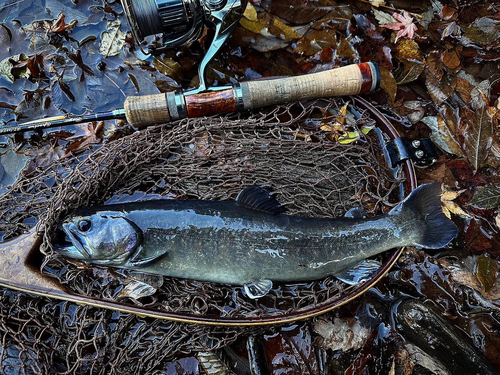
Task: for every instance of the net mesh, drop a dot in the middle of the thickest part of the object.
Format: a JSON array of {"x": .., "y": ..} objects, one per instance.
[{"x": 295, "y": 149}]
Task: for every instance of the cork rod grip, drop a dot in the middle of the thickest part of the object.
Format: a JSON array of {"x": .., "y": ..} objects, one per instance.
[
  {"x": 142, "y": 111},
  {"x": 348, "y": 80}
]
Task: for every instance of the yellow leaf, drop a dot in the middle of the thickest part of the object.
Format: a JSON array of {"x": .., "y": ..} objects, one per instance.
[
  {"x": 451, "y": 207},
  {"x": 497, "y": 220},
  {"x": 253, "y": 26},
  {"x": 366, "y": 129},
  {"x": 343, "y": 112},
  {"x": 349, "y": 137},
  {"x": 250, "y": 12}
]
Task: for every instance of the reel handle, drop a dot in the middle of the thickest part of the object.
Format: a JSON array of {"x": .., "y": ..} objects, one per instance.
[{"x": 142, "y": 111}]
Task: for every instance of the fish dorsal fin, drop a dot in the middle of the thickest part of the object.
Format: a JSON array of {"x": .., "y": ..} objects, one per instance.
[
  {"x": 258, "y": 289},
  {"x": 357, "y": 213},
  {"x": 260, "y": 198}
]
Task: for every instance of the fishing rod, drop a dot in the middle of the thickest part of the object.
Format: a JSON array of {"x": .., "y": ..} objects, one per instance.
[{"x": 146, "y": 110}]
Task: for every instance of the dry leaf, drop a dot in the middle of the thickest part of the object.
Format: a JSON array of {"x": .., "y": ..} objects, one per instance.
[
  {"x": 250, "y": 12},
  {"x": 449, "y": 206}
]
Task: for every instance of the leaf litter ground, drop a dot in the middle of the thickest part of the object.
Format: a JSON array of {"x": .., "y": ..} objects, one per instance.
[{"x": 439, "y": 65}]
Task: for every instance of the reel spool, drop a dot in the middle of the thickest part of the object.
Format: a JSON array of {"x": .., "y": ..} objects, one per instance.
[{"x": 179, "y": 22}]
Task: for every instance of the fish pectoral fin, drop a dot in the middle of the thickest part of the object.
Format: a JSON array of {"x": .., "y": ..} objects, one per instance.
[
  {"x": 135, "y": 261},
  {"x": 258, "y": 289},
  {"x": 360, "y": 273},
  {"x": 356, "y": 213},
  {"x": 260, "y": 198}
]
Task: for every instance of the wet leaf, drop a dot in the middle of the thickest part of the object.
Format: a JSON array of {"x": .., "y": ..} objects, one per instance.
[
  {"x": 487, "y": 197},
  {"x": 409, "y": 53},
  {"x": 113, "y": 40},
  {"x": 404, "y": 25},
  {"x": 440, "y": 89},
  {"x": 315, "y": 42},
  {"x": 341, "y": 334},
  {"x": 478, "y": 137},
  {"x": 486, "y": 272},
  {"x": 290, "y": 351},
  {"x": 212, "y": 364},
  {"x": 388, "y": 84},
  {"x": 168, "y": 67},
  {"x": 299, "y": 11},
  {"x": 374, "y": 47},
  {"x": 90, "y": 136},
  {"x": 9, "y": 70},
  {"x": 483, "y": 31},
  {"x": 444, "y": 127},
  {"x": 46, "y": 155}
]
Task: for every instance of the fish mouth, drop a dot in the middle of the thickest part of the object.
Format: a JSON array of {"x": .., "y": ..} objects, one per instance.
[{"x": 73, "y": 246}]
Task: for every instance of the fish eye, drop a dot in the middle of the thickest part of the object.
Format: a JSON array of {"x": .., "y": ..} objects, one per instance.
[{"x": 84, "y": 225}]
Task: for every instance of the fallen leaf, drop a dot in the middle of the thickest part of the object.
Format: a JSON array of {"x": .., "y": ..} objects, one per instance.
[
  {"x": 8, "y": 67},
  {"x": 299, "y": 12},
  {"x": 487, "y": 197},
  {"x": 113, "y": 40},
  {"x": 250, "y": 13},
  {"x": 290, "y": 351},
  {"x": 383, "y": 18},
  {"x": 404, "y": 25},
  {"x": 486, "y": 272},
  {"x": 440, "y": 89},
  {"x": 388, "y": 84},
  {"x": 315, "y": 42},
  {"x": 451, "y": 58},
  {"x": 449, "y": 207},
  {"x": 444, "y": 127},
  {"x": 483, "y": 31},
  {"x": 497, "y": 220},
  {"x": 409, "y": 53},
  {"x": 341, "y": 334},
  {"x": 168, "y": 67},
  {"x": 478, "y": 137}
]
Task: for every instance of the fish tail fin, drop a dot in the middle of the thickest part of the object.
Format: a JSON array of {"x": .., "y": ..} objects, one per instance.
[{"x": 434, "y": 229}]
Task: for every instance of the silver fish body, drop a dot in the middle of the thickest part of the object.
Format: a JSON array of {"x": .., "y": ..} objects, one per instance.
[{"x": 229, "y": 243}]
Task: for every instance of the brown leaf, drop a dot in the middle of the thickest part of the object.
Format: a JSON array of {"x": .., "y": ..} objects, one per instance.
[
  {"x": 299, "y": 11},
  {"x": 440, "y": 89},
  {"x": 315, "y": 42},
  {"x": 388, "y": 84},
  {"x": 444, "y": 129},
  {"x": 290, "y": 351},
  {"x": 478, "y": 137},
  {"x": 451, "y": 58},
  {"x": 408, "y": 52},
  {"x": 486, "y": 272}
]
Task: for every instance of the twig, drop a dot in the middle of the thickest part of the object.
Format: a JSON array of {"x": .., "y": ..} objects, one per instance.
[
  {"x": 8, "y": 5},
  {"x": 391, "y": 8}
]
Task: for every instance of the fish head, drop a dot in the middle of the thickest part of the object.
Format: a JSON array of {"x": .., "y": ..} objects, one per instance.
[{"x": 103, "y": 238}]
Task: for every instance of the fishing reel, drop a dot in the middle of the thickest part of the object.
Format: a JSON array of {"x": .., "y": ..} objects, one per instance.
[{"x": 172, "y": 23}]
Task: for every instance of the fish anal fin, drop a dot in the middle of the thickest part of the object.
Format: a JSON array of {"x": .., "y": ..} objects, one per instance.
[
  {"x": 260, "y": 198},
  {"x": 357, "y": 213},
  {"x": 258, "y": 289},
  {"x": 360, "y": 273}
]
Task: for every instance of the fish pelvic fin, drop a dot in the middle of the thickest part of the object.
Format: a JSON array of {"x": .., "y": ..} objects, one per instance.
[
  {"x": 424, "y": 204},
  {"x": 258, "y": 289}
]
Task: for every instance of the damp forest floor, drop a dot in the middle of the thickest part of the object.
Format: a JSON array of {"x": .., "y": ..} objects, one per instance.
[{"x": 440, "y": 79}]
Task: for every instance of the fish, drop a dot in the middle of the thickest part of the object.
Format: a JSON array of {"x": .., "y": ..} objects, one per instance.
[{"x": 249, "y": 242}]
